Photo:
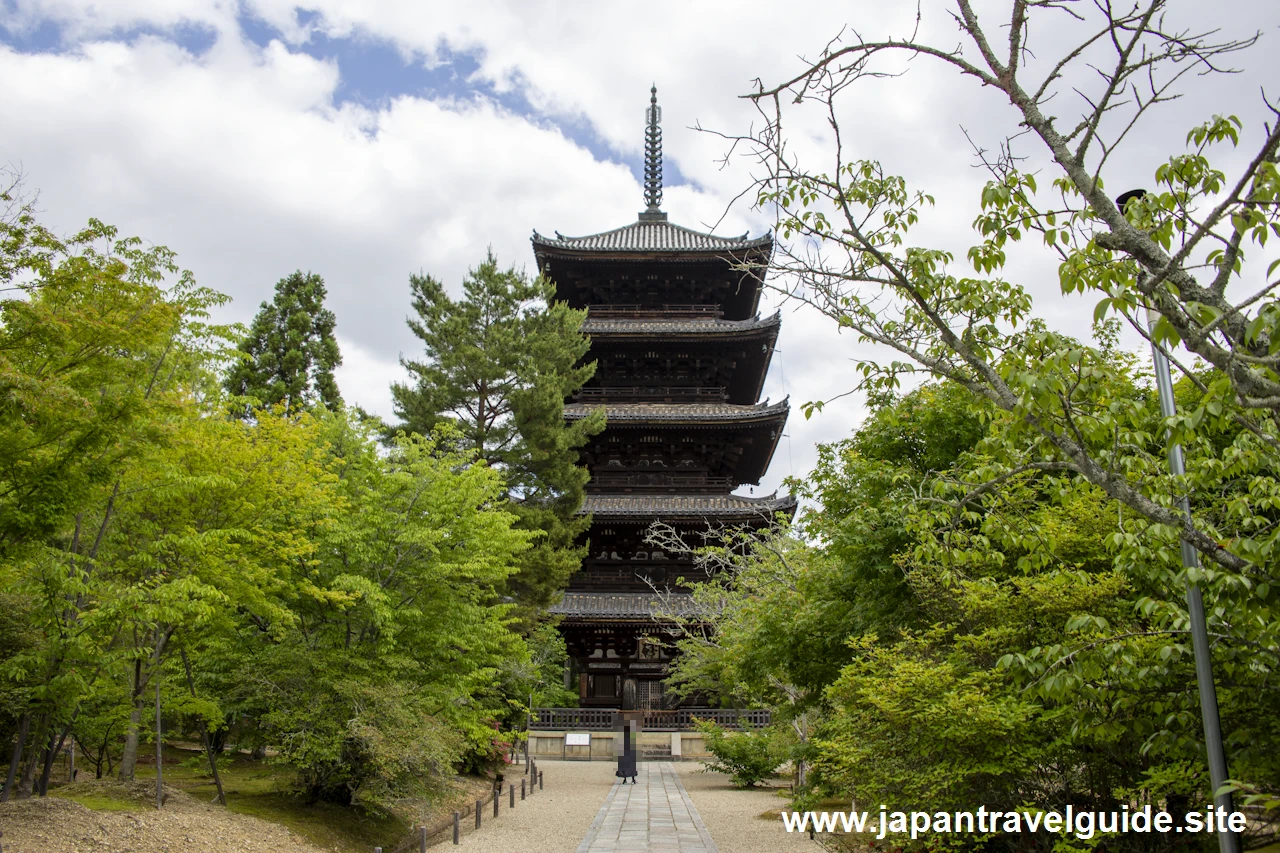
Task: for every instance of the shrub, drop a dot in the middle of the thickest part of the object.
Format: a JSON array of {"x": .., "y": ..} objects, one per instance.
[{"x": 747, "y": 757}]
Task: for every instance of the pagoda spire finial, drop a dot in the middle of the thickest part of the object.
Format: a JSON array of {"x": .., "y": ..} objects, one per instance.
[{"x": 653, "y": 158}]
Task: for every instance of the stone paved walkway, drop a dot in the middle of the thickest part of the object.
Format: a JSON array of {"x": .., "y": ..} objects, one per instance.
[{"x": 653, "y": 816}]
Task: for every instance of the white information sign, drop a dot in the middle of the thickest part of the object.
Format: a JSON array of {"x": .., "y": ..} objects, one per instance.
[{"x": 577, "y": 739}]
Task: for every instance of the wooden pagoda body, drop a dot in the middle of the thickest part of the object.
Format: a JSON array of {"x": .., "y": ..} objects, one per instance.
[{"x": 681, "y": 360}]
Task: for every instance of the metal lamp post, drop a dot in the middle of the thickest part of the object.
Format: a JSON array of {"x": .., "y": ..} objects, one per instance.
[{"x": 1228, "y": 841}]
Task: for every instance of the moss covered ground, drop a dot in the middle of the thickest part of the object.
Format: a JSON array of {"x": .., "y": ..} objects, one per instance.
[{"x": 264, "y": 789}]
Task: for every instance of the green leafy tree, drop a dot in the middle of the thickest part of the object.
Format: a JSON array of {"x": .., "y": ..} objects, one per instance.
[
  {"x": 928, "y": 712},
  {"x": 783, "y": 609},
  {"x": 1174, "y": 252},
  {"x": 205, "y": 536},
  {"x": 865, "y": 485},
  {"x": 1047, "y": 665},
  {"x": 281, "y": 577},
  {"x": 1037, "y": 650},
  {"x": 498, "y": 365},
  {"x": 770, "y": 628},
  {"x": 85, "y": 342},
  {"x": 536, "y": 680},
  {"x": 390, "y": 674},
  {"x": 1065, "y": 414},
  {"x": 103, "y": 346},
  {"x": 16, "y": 636},
  {"x": 288, "y": 357}
]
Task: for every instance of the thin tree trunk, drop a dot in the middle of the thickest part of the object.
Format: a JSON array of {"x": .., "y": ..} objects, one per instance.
[
  {"x": 17, "y": 757},
  {"x": 40, "y": 737},
  {"x": 129, "y": 760},
  {"x": 204, "y": 735},
  {"x": 27, "y": 786},
  {"x": 159, "y": 732},
  {"x": 53, "y": 754},
  {"x": 50, "y": 754}
]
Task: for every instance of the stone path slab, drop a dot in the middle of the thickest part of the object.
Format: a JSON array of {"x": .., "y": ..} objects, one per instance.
[{"x": 653, "y": 816}]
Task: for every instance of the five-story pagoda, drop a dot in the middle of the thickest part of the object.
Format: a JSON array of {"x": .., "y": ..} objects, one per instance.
[{"x": 682, "y": 356}]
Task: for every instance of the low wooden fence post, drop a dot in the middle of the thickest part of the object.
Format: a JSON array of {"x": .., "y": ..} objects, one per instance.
[{"x": 527, "y": 787}]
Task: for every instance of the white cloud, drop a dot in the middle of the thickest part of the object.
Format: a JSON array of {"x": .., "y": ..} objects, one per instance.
[
  {"x": 242, "y": 161},
  {"x": 365, "y": 378}
]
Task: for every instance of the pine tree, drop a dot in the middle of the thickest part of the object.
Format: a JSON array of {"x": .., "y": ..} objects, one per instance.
[
  {"x": 290, "y": 351},
  {"x": 499, "y": 364}
]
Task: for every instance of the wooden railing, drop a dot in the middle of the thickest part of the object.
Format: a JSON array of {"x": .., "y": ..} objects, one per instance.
[
  {"x": 564, "y": 719},
  {"x": 631, "y": 575},
  {"x": 681, "y": 720},
  {"x": 660, "y": 479}
]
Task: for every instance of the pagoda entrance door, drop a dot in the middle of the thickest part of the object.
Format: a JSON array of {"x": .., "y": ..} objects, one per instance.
[{"x": 650, "y": 696}]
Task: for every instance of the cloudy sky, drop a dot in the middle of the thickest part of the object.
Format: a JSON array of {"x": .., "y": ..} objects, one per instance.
[{"x": 368, "y": 140}]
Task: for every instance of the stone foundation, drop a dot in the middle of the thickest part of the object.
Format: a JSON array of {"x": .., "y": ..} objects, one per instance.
[{"x": 651, "y": 746}]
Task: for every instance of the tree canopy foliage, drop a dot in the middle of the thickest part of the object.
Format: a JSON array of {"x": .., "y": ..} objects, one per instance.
[
  {"x": 1175, "y": 253},
  {"x": 284, "y": 582},
  {"x": 1030, "y": 650},
  {"x": 498, "y": 365},
  {"x": 290, "y": 353},
  {"x": 991, "y": 580}
]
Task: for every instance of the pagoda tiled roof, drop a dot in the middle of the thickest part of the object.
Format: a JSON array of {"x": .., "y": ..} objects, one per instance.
[
  {"x": 678, "y": 412},
  {"x": 687, "y": 506},
  {"x": 652, "y": 236},
  {"x": 661, "y": 326},
  {"x": 641, "y": 605}
]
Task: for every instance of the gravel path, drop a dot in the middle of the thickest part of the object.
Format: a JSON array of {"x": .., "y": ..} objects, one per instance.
[
  {"x": 557, "y": 819},
  {"x": 554, "y": 820},
  {"x": 734, "y": 817}
]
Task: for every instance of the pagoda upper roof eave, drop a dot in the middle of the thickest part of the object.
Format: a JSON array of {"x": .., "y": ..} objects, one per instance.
[
  {"x": 754, "y": 258},
  {"x": 701, "y": 508},
  {"x": 639, "y": 606},
  {"x": 642, "y": 328},
  {"x": 656, "y": 239},
  {"x": 682, "y": 414}
]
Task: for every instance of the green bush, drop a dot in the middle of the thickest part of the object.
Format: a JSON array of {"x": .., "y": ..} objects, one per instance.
[{"x": 747, "y": 757}]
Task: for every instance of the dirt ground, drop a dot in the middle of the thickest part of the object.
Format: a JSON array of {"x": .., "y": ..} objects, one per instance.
[
  {"x": 553, "y": 821},
  {"x": 186, "y": 825}
]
